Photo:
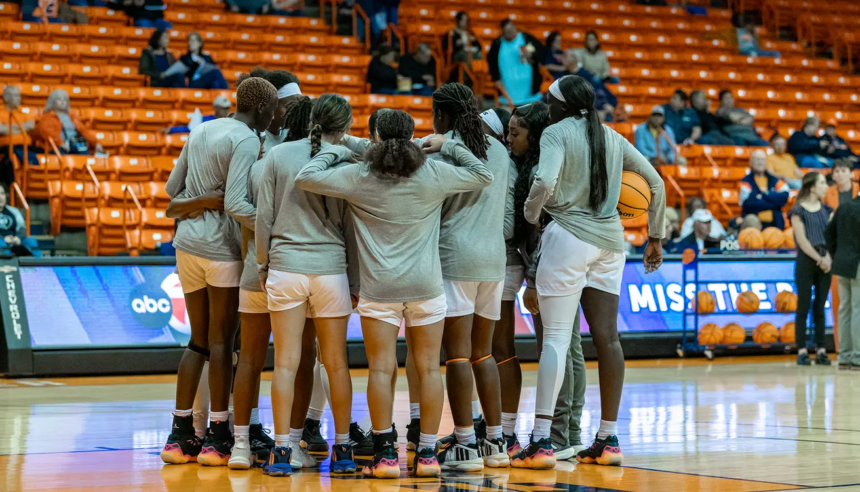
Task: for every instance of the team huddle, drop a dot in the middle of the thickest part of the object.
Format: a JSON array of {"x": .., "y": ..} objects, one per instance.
[{"x": 288, "y": 224}]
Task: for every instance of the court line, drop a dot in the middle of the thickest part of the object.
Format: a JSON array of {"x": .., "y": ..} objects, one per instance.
[
  {"x": 773, "y": 426},
  {"x": 799, "y": 440},
  {"x": 814, "y": 487},
  {"x": 798, "y": 487},
  {"x": 99, "y": 449}
]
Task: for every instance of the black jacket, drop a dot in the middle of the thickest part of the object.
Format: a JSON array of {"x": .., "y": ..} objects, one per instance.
[
  {"x": 843, "y": 239},
  {"x": 381, "y": 76},
  {"x": 150, "y": 9},
  {"x": 689, "y": 241},
  {"x": 410, "y": 68},
  {"x": 538, "y": 57}
]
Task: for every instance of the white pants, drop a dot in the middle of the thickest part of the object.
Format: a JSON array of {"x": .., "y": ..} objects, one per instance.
[
  {"x": 515, "y": 275},
  {"x": 327, "y": 295},
  {"x": 252, "y": 302},
  {"x": 196, "y": 273},
  {"x": 418, "y": 313},
  {"x": 481, "y": 298}
]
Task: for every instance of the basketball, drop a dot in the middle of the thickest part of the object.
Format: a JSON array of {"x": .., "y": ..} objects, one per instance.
[
  {"x": 710, "y": 334},
  {"x": 705, "y": 302},
  {"x": 733, "y": 334},
  {"x": 773, "y": 238},
  {"x": 689, "y": 256},
  {"x": 786, "y": 302},
  {"x": 750, "y": 238},
  {"x": 765, "y": 333},
  {"x": 788, "y": 238},
  {"x": 786, "y": 333},
  {"x": 747, "y": 302},
  {"x": 635, "y": 196}
]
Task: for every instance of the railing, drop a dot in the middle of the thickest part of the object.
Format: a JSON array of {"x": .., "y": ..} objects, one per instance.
[
  {"x": 356, "y": 12},
  {"x": 55, "y": 228},
  {"x": 133, "y": 250},
  {"x": 16, "y": 192},
  {"x": 25, "y": 140},
  {"x": 392, "y": 33}
]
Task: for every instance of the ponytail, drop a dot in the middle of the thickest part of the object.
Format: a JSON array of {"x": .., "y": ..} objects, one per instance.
[
  {"x": 297, "y": 121},
  {"x": 331, "y": 113},
  {"x": 395, "y": 156},
  {"x": 597, "y": 150},
  {"x": 316, "y": 139},
  {"x": 458, "y": 103}
]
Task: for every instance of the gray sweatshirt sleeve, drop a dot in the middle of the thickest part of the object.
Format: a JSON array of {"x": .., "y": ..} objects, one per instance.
[
  {"x": 357, "y": 145},
  {"x": 546, "y": 177},
  {"x": 471, "y": 174},
  {"x": 319, "y": 177},
  {"x": 176, "y": 181},
  {"x": 236, "y": 192},
  {"x": 636, "y": 162},
  {"x": 265, "y": 217},
  {"x": 510, "y": 217}
]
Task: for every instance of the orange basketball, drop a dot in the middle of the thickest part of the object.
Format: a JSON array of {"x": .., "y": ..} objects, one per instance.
[
  {"x": 786, "y": 302},
  {"x": 710, "y": 334},
  {"x": 705, "y": 302},
  {"x": 786, "y": 333},
  {"x": 747, "y": 302},
  {"x": 765, "y": 333},
  {"x": 733, "y": 334},
  {"x": 788, "y": 238},
  {"x": 773, "y": 238},
  {"x": 750, "y": 238},
  {"x": 688, "y": 256},
  {"x": 635, "y": 196}
]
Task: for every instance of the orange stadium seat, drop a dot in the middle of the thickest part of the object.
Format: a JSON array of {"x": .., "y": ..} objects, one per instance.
[
  {"x": 147, "y": 120},
  {"x": 157, "y": 98},
  {"x": 62, "y": 33},
  {"x": 87, "y": 74},
  {"x": 162, "y": 165},
  {"x": 173, "y": 144},
  {"x": 315, "y": 83},
  {"x": 347, "y": 84},
  {"x": 9, "y": 11},
  {"x": 24, "y": 31},
  {"x": 142, "y": 143},
  {"x": 215, "y": 21},
  {"x": 127, "y": 55},
  {"x": 241, "y": 60},
  {"x": 78, "y": 167},
  {"x": 38, "y": 176},
  {"x": 351, "y": 65},
  {"x": 34, "y": 94},
  {"x": 182, "y": 21},
  {"x": 240, "y": 41},
  {"x": 124, "y": 76},
  {"x": 113, "y": 194},
  {"x": 109, "y": 141},
  {"x": 150, "y": 239},
  {"x": 107, "y": 229},
  {"x": 17, "y": 51},
  {"x": 105, "y": 118},
  {"x": 118, "y": 97},
  {"x": 11, "y": 72},
  {"x": 158, "y": 196},
  {"x": 132, "y": 168},
  {"x": 68, "y": 199},
  {"x": 197, "y": 5},
  {"x": 104, "y": 16},
  {"x": 45, "y": 73},
  {"x": 93, "y": 53},
  {"x": 80, "y": 95},
  {"x": 102, "y": 35}
]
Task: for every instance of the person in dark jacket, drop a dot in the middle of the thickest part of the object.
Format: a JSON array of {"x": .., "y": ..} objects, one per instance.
[
  {"x": 146, "y": 13},
  {"x": 682, "y": 120},
  {"x": 420, "y": 67},
  {"x": 763, "y": 194},
  {"x": 843, "y": 243},
  {"x": 737, "y": 123},
  {"x": 836, "y": 148},
  {"x": 465, "y": 46},
  {"x": 514, "y": 62},
  {"x": 807, "y": 148},
  {"x": 202, "y": 72},
  {"x": 698, "y": 240},
  {"x": 711, "y": 134},
  {"x": 156, "y": 59},
  {"x": 381, "y": 74}
]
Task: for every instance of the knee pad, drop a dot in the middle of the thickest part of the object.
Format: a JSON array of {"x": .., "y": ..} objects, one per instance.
[
  {"x": 482, "y": 359},
  {"x": 197, "y": 349},
  {"x": 506, "y": 360},
  {"x": 462, "y": 359}
]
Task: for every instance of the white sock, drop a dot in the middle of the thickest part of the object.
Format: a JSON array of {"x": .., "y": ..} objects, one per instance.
[
  {"x": 255, "y": 416},
  {"x": 465, "y": 435},
  {"x": 426, "y": 441},
  {"x": 315, "y": 413},
  {"x": 381, "y": 431},
  {"x": 242, "y": 431},
  {"x": 494, "y": 431},
  {"x": 219, "y": 416},
  {"x": 802, "y": 351},
  {"x": 414, "y": 410},
  {"x": 341, "y": 438},
  {"x": 476, "y": 409},
  {"x": 542, "y": 428},
  {"x": 607, "y": 429},
  {"x": 230, "y": 412},
  {"x": 296, "y": 436},
  {"x": 822, "y": 350},
  {"x": 182, "y": 413},
  {"x": 282, "y": 440},
  {"x": 509, "y": 423}
]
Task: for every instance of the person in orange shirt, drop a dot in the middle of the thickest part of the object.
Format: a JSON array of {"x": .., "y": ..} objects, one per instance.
[
  {"x": 66, "y": 130},
  {"x": 845, "y": 188},
  {"x": 782, "y": 164}
]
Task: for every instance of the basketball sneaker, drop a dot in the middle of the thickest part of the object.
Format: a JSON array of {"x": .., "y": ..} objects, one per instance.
[
  {"x": 312, "y": 439},
  {"x": 512, "y": 444},
  {"x": 182, "y": 445},
  {"x": 301, "y": 458},
  {"x": 261, "y": 442},
  {"x": 494, "y": 452},
  {"x": 342, "y": 459},
  {"x": 241, "y": 456},
  {"x": 385, "y": 462},
  {"x": 216, "y": 446},
  {"x": 425, "y": 464},
  {"x": 279, "y": 462},
  {"x": 821, "y": 359},
  {"x": 413, "y": 434},
  {"x": 563, "y": 453},
  {"x": 602, "y": 452},
  {"x": 537, "y": 455},
  {"x": 480, "y": 429},
  {"x": 361, "y": 441},
  {"x": 461, "y": 457},
  {"x": 803, "y": 359}
]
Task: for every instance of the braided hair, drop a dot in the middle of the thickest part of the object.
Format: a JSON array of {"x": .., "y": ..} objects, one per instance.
[
  {"x": 455, "y": 104},
  {"x": 396, "y": 156},
  {"x": 534, "y": 118},
  {"x": 298, "y": 119},
  {"x": 331, "y": 113},
  {"x": 371, "y": 123}
]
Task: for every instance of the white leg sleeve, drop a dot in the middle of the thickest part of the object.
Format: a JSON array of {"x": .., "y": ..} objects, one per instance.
[
  {"x": 558, "y": 314},
  {"x": 325, "y": 385},
  {"x": 318, "y": 397}
]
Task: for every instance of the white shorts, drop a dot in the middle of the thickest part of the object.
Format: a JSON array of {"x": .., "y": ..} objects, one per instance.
[
  {"x": 253, "y": 302},
  {"x": 327, "y": 295},
  {"x": 418, "y": 313},
  {"x": 481, "y": 298},
  {"x": 567, "y": 265},
  {"x": 515, "y": 275},
  {"x": 196, "y": 273}
]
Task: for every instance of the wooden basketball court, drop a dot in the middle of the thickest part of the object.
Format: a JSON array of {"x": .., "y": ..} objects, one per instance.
[{"x": 742, "y": 424}]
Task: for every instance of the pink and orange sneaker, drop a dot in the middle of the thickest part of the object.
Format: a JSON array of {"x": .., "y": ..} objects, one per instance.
[
  {"x": 182, "y": 445},
  {"x": 512, "y": 444},
  {"x": 538, "y": 455},
  {"x": 385, "y": 463},
  {"x": 217, "y": 446},
  {"x": 602, "y": 452},
  {"x": 426, "y": 464}
]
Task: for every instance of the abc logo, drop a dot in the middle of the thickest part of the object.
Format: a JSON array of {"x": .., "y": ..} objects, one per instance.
[{"x": 150, "y": 305}]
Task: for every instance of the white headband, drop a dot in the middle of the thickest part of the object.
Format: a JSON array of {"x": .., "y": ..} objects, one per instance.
[
  {"x": 288, "y": 90},
  {"x": 555, "y": 90},
  {"x": 492, "y": 120}
]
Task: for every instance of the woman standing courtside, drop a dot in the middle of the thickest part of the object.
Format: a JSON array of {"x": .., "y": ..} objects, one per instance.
[{"x": 578, "y": 182}]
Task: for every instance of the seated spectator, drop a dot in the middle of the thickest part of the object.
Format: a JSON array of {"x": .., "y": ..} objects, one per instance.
[
  {"x": 746, "y": 38},
  {"x": 221, "y": 106},
  {"x": 145, "y": 13},
  {"x": 737, "y": 123},
  {"x": 67, "y": 131},
  {"x": 202, "y": 72},
  {"x": 697, "y": 203},
  {"x": 556, "y": 61},
  {"x": 752, "y": 221},
  {"x": 22, "y": 126},
  {"x": 420, "y": 68},
  {"x": 286, "y": 8},
  {"x": 673, "y": 222},
  {"x": 711, "y": 134},
  {"x": 593, "y": 58},
  {"x": 158, "y": 63},
  {"x": 13, "y": 230},
  {"x": 682, "y": 120},
  {"x": 806, "y": 146},
  {"x": 381, "y": 73},
  {"x": 464, "y": 45},
  {"x": 514, "y": 63},
  {"x": 12, "y": 104},
  {"x": 763, "y": 194},
  {"x": 560, "y": 63},
  {"x": 782, "y": 165},
  {"x": 700, "y": 238},
  {"x": 836, "y": 148},
  {"x": 253, "y": 7},
  {"x": 59, "y": 12},
  {"x": 844, "y": 188},
  {"x": 653, "y": 131}
]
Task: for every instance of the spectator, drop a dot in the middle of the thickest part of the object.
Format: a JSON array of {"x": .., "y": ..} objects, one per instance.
[
  {"x": 747, "y": 38},
  {"x": 66, "y": 130},
  {"x": 653, "y": 131},
  {"x": 806, "y": 146},
  {"x": 560, "y": 63},
  {"x": 697, "y": 203},
  {"x": 836, "y": 148},
  {"x": 673, "y": 222},
  {"x": 381, "y": 73},
  {"x": 23, "y": 125},
  {"x": 464, "y": 45},
  {"x": 202, "y": 72},
  {"x": 711, "y": 134},
  {"x": 843, "y": 244},
  {"x": 420, "y": 68},
  {"x": 782, "y": 165},
  {"x": 762, "y": 193},
  {"x": 146, "y": 13},
  {"x": 844, "y": 189},
  {"x": 253, "y": 7},
  {"x": 737, "y": 123},
  {"x": 13, "y": 230},
  {"x": 556, "y": 61},
  {"x": 700, "y": 238},
  {"x": 157, "y": 62},
  {"x": 12, "y": 104},
  {"x": 752, "y": 221},
  {"x": 514, "y": 62},
  {"x": 594, "y": 59},
  {"x": 682, "y": 120},
  {"x": 59, "y": 12},
  {"x": 221, "y": 106}
]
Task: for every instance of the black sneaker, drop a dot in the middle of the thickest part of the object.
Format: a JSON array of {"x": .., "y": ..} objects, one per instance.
[
  {"x": 261, "y": 442},
  {"x": 537, "y": 455},
  {"x": 342, "y": 459},
  {"x": 413, "y": 434},
  {"x": 821, "y": 359},
  {"x": 480, "y": 429},
  {"x": 602, "y": 452},
  {"x": 461, "y": 457},
  {"x": 385, "y": 462},
  {"x": 182, "y": 445},
  {"x": 312, "y": 438},
  {"x": 361, "y": 441},
  {"x": 447, "y": 441},
  {"x": 217, "y": 445},
  {"x": 803, "y": 359}
]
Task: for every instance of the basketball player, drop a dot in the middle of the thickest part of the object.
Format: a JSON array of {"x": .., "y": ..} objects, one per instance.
[
  {"x": 578, "y": 182},
  {"x": 396, "y": 198},
  {"x": 494, "y": 123},
  {"x": 209, "y": 264},
  {"x": 289, "y": 93}
]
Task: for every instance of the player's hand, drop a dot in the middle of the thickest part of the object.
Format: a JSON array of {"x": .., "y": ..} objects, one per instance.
[
  {"x": 214, "y": 199},
  {"x": 433, "y": 143},
  {"x": 530, "y": 300},
  {"x": 653, "y": 256},
  {"x": 354, "y": 299}
]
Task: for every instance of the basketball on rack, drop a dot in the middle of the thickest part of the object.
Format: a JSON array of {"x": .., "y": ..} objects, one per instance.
[
  {"x": 786, "y": 333},
  {"x": 747, "y": 302},
  {"x": 733, "y": 334},
  {"x": 773, "y": 238},
  {"x": 710, "y": 334},
  {"x": 705, "y": 302},
  {"x": 635, "y": 196},
  {"x": 765, "y": 333},
  {"x": 750, "y": 238},
  {"x": 786, "y": 302}
]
